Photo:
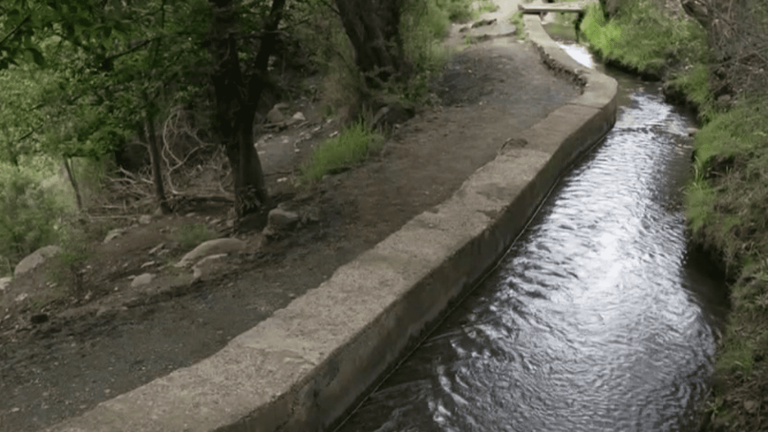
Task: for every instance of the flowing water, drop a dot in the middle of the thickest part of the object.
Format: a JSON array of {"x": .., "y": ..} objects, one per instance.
[{"x": 598, "y": 319}]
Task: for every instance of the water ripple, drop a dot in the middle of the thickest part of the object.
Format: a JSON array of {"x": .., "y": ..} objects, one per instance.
[{"x": 597, "y": 320}]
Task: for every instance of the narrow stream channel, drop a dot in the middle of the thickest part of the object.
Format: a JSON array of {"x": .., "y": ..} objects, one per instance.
[{"x": 598, "y": 319}]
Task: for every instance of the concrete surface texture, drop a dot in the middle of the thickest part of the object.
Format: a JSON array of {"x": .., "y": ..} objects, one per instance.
[{"x": 301, "y": 369}]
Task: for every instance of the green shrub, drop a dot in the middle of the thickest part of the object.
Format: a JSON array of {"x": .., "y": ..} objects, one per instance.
[
  {"x": 349, "y": 148},
  {"x": 731, "y": 155},
  {"x": 693, "y": 82},
  {"x": 424, "y": 25},
  {"x": 517, "y": 21},
  {"x": 29, "y": 213},
  {"x": 189, "y": 236}
]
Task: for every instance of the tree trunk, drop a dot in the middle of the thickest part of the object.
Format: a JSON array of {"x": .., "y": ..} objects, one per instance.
[
  {"x": 698, "y": 10},
  {"x": 373, "y": 28},
  {"x": 154, "y": 155},
  {"x": 73, "y": 182},
  {"x": 237, "y": 98}
]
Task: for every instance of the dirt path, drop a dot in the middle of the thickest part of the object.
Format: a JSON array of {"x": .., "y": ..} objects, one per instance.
[{"x": 490, "y": 93}]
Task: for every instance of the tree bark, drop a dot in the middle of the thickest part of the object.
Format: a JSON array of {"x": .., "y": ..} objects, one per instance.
[
  {"x": 237, "y": 97},
  {"x": 73, "y": 182},
  {"x": 154, "y": 155},
  {"x": 697, "y": 10},
  {"x": 373, "y": 28}
]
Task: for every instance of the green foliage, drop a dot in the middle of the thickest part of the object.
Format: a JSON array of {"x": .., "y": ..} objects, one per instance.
[
  {"x": 693, "y": 82},
  {"x": 731, "y": 155},
  {"x": 737, "y": 357},
  {"x": 30, "y": 212},
  {"x": 487, "y": 6},
  {"x": 191, "y": 235},
  {"x": 517, "y": 21},
  {"x": 457, "y": 10},
  {"x": 643, "y": 37},
  {"x": 350, "y": 147},
  {"x": 67, "y": 267},
  {"x": 424, "y": 25}
]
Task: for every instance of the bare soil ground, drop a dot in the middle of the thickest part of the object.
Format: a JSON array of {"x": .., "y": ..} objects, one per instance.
[{"x": 111, "y": 338}]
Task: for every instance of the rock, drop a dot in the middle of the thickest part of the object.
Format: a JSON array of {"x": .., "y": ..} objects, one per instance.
[
  {"x": 310, "y": 215},
  {"x": 38, "y": 318},
  {"x": 751, "y": 406},
  {"x": 115, "y": 233},
  {"x": 4, "y": 282},
  {"x": 391, "y": 112},
  {"x": 142, "y": 279},
  {"x": 281, "y": 219},
  {"x": 725, "y": 101},
  {"x": 148, "y": 264},
  {"x": 299, "y": 116},
  {"x": 212, "y": 247},
  {"x": 203, "y": 267},
  {"x": 155, "y": 249},
  {"x": 484, "y": 22},
  {"x": 691, "y": 131},
  {"x": 274, "y": 116},
  {"x": 35, "y": 259},
  {"x": 145, "y": 219}
]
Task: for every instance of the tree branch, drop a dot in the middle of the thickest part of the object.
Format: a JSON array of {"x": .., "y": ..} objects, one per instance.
[{"x": 15, "y": 30}]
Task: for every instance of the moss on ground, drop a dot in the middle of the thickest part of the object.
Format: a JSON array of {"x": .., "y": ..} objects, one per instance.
[{"x": 726, "y": 200}]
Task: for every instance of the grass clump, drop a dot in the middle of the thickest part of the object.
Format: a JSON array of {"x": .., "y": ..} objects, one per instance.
[
  {"x": 350, "y": 147},
  {"x": 192, "y": 235},
  {"x": 517, "y": 21},
  {"x": 644, "y": 38},
  {"x": 726, "y": 206}
]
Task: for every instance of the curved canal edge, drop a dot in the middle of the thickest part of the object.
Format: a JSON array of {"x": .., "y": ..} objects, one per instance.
[{"x": 304, "y": 367}]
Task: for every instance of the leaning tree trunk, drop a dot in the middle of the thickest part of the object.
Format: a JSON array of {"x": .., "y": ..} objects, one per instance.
[
  {"x": 68, "y": 166},
  {"x": 373, "y": 28}
]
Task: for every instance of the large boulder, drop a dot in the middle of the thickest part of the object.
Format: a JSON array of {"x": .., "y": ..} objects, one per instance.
[
  {"x": 35, "y": 259},
  {"x": 212, "y": 247}
]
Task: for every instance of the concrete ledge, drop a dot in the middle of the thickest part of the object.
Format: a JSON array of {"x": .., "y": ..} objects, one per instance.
[{"x": 302, "y": 368}]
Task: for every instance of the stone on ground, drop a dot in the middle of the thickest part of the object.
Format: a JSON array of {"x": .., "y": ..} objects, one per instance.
[
  {"x": 142, "y": 279},
  {"x": 115, "y": 233},
  {"x": 212, "y": 247},
  {"x": 281, "y": 219},
  {"x": 35, "y": 259}
]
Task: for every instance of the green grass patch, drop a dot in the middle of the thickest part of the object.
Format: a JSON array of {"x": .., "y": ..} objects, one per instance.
[
  {"x": 350, "y": 147},
  {"x": 517, "y": 21},
  {"x": 487, "y": 6},
  {"x": 736, "y": 357},
  {"x": 191, "y": 235},
  {"x": 643, "y": 38}
]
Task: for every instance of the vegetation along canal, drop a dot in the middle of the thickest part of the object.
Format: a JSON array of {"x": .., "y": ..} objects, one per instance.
[{"x": 598, "y": 319}]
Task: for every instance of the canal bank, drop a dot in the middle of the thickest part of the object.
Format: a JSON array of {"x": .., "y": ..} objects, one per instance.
[{"x": 302, "y": 368}]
